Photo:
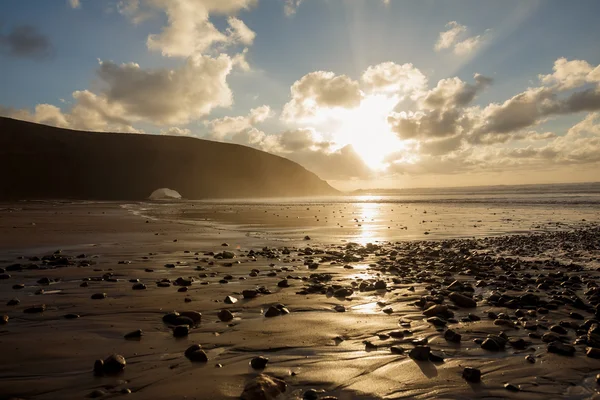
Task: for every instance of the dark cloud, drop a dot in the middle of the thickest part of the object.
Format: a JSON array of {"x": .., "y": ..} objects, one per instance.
[{"x": 27, "y": 42}]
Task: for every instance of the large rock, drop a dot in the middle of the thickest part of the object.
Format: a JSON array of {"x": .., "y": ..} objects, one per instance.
[
  {"x": 263, "y": 387},
  {"x": 593, "y": 336},
  {"x": 461, "y": 300}
]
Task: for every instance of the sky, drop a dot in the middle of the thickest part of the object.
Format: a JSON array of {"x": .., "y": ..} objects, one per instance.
[{"x": 365, "y": 93}]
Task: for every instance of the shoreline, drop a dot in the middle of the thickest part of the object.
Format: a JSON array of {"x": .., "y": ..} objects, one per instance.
[{"x": 389, "y": 288}]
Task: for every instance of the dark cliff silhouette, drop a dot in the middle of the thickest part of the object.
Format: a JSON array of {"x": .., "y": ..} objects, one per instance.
[{"x": 44, "y": 162}]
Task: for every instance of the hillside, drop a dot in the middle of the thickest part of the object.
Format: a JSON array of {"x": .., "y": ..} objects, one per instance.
[{"x": 43, "y": 162}]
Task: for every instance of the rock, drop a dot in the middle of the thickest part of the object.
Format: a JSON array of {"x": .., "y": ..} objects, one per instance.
[
  {"x": 181, "y": 320},
  {"x": 35, "y": 309},
  {"x": 4, "y": 320},
  {"x": 452, "y": 336},
  {"x": 230, "y": 300},
  {"x": 263, "y": 387},
  {"x": 471, "y": 374},
  {"x": 396, "y": 334},
  {"x": 420, "y": 353},
  {"x": 283, "y": 283},
  {"x": 225, "y": 315},
  {"x": 170, "y": 317},
  {"x": 139, "y": 286},
  {"x": 259, "y": 362},
  {"x": 134, "y": 335},
  {"x": 306, "y": 237},
  {"x": 530, "y": 359},
  {"x": 397, "y": 350},
  {"x": 195, "y": 353},
  {"x": 511, "y": 388},
  {"x": 4, "y": 276},
  {"x": 593, "y": 352},
  {"x": 13, "y": 302},
  {"x": 228, "y": 255},
  {"x": 114, "y": 364},
  {"x": 250, "y": 293},
  {"x": 181, "y": 330},
  {"x": 561, "y": 349},
  {"x": 195, "y": 316},
  {"x": 19, "y": 286},
  {"x": 462, "y": 300},
  {"x": 438, "y": 310},
  {"x": 97, "y": 394},
  {"x": 380, "y": 285},
  {"x": 436, "y": 357},
  {"x": 343, "y": 292},
  {"x": 272, "y": 312},
  {"x": 593, "y": 336},
  {"x": 436, "y": 321},
  {"x": 72, "y": 316},
  {"x": 558, "y": 329},
  {"x": 98, "y": 296},
  {"x": 339, "y": 308},
  {"x": 491, "y": 345}
]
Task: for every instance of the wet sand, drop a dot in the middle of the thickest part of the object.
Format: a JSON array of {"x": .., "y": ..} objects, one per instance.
[{"x": 523, "y": 285}]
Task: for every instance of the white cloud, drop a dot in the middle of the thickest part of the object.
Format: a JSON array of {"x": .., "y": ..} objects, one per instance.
[
  {"x": 290, "y": 7},
  {"x": 455, "y": 38},
  {"x": 175, "y": 131},
  {"x": 74, "y": 3},
  {"x": 189, "y": 30},
  {"x": 321, "y": 90},
  {"x": 571, "y": 74},
  {"x": 392, "y": 77},
  {"x": 221, "y": 127}
]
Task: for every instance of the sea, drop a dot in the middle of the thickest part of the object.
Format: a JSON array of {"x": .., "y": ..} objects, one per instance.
[{"x": 392, "y": 215}]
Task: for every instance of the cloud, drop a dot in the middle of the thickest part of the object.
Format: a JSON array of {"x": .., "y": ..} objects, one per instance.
[
  {"x": 128, "y": 94},
  {"x": 455, "y": 38},
  {"x": 221, "y": 127},
  {"x": 290, "y": 7},
  {"x": 392, "y": 77},
  {"x": 168, "y": 96},
  {"x": 571, "y": 74},
  {"x": 74, "y": 3},
  {"x": 175, "y": 131},
  {"x": 321, "y": 90},
  {"x": 27, "y": 42},
  {"x": 189, "y": 30}
]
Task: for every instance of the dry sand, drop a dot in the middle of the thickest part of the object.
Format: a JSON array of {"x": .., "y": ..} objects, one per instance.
[{"x": 343, "y": 354}]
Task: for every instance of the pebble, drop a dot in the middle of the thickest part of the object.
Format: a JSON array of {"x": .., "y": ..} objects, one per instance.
[
  {"x": 35, "y": 309},
  {"x": 259, "y": 362},
  {"x": 225, "y": 315},
  {"x": 195, "y": 353},
  {"x": 561, "y": 349},
  {"x": 4, "y": 320},
  {"x": 98, "y": 296},
  {"x": 263, "y": 387},
  {"x": 471, "y": 374},
  {"x": 134, "y": 335},
  {"x": 420, "y": 353},
  {"x": 181, "y": 331},
  {"x": 230, "y": 300},
  {"x": 462, "y": 300}
]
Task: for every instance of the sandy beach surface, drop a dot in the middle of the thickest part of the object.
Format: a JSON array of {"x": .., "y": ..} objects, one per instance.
[{"x": 379, "y": 301}]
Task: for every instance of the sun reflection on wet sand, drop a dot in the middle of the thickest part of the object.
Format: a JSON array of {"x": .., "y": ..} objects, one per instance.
[{"x": 368, "y": 214}]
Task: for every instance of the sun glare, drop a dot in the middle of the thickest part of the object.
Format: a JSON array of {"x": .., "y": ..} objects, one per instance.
[{"x": 367, "y": 130}]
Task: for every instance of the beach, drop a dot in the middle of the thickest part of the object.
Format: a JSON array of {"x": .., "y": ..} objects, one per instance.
[{"x": 359, "y": 299}]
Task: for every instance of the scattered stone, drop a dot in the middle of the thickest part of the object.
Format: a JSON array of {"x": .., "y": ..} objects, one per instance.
[
  {"x": 511, "y": 388},
  {"x": 561, "y": 349},
  {"x": 195, "y": 353},
  {"x": 230, "y": 300},
  {"x": 134, "y": 335},
  {"x": 250, "y": 293},
  {"x": 259, "y": 362},
  {"x": 98, "y": 296},
  {"x": 339, "y": 308},
  {"x": 181, "y": 331},
  {"x": 593, "y": 352},
  {"x": 420, "y": 353},
  {"x": 272, "y": 312},
  {"x": 462, "y": 300},
  {"x": 112, "y": 365},
  {"x": 4, "y": 320},
  {"x": 225, "y": 315},
  {"x": 139, "y": 286},
  {"x": 263, "y": 387},
  {"x": 35, "y": 309},
  {"x": 13, "y": 302},
  {"x": 397, "y": 350},
  {"x": 452, "y": 336},
  {"x": 471, "y": 374}
]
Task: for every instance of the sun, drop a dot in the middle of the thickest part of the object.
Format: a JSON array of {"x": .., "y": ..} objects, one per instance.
[{"x": 367, "y": 130}]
